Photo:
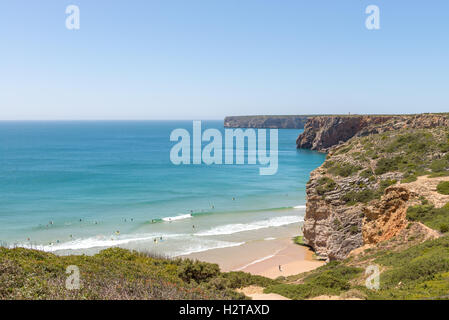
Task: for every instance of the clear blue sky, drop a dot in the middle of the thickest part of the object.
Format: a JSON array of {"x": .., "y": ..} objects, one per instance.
[{"x": 205, "y": 59}]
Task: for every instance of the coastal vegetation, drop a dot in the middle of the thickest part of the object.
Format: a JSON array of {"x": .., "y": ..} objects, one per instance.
[
  {"x": 330, "y": 279},
  {"x": 116, "y": 274},
  {"x": 416, "y": 272},
  {"x": 366, "y": 166},
  {"x": 443, "y": 187},
  {"x": 386, "y": 206},
  {"x": 435, "y": 218}
]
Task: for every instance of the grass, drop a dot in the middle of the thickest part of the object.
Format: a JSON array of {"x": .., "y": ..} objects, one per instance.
[
  {"x": 419, "y": 272},
  {"x": 299, "y": 240},
  {"x": 435, "y": 218},
  {"x": 343, "y": 170},
  {"x": 116, "y": 274},
  {"x": 330, "y": 279},
  {"x": 415, "y": 153},
  {"x": 443, "y": 187}
]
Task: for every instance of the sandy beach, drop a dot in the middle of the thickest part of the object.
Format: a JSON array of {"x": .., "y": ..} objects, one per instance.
[{"x": 269, "y": 258}]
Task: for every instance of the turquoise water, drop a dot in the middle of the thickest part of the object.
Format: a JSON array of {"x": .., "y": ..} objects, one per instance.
[{"x": 80, "y": 186}]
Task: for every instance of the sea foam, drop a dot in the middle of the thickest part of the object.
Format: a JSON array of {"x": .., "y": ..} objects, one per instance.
[{"x": 180, "y": 217}]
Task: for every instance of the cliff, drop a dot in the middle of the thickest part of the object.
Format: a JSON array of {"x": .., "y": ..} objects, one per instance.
[
  {"x": 361, "y": 195},
  {"x": 271, "y": 122},
  {"x": 323, "y": 132}
]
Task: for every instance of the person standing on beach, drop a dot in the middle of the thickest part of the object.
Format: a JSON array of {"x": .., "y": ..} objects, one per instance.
[{"x": 280, "y": 269}]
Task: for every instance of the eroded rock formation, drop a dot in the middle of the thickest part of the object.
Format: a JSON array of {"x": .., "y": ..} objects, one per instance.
[
  {"x": 350, "y": 204},
  {"x": 385, "y": 218},
  {"x": 321, "y": 133}
]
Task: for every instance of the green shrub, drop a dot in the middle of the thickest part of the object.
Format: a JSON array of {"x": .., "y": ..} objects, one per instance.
[
  {"x": 368, "y": 173},
  {"x": 354, "y": 229},
  {"x": 299, "y": 240},
  {"x": 197, "y": 271},
  {"x": 343, "y": 170},
  {"x": 330, "y": 279},
  {"x": 419, "y": 263},
  {"x": 239, "y": 279},
  {"x": 325, "y": 185},
  {"x": 364, "y": 196},
  {"x": 112, "y": 274},
  {"x": 444, "y": 227},
  {"x": 443, "y": 187},
  {"x": 385, "y": 165},
  {"x": 386, "y": 183},
  {"x": 439, "y": 165},
  {"x": 432, "y": 217},
  {"x": 439, "y": 174}
]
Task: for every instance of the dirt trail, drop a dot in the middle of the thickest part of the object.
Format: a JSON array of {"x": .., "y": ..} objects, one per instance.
[{"x": 256, "y": 293}]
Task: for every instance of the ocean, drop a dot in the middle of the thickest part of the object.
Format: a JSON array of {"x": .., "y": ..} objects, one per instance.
[{"x": 74, "y": 187}]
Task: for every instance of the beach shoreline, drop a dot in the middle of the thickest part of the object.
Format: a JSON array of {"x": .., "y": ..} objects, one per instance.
[{"x": 270, "y": 258}]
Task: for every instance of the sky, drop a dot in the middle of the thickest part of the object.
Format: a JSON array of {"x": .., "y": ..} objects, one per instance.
[{"x": 207, "y": 59}]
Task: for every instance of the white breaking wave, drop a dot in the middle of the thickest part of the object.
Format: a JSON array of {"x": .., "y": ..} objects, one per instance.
[
  {"x": 95, "y": 242},
  {"x": 241, "y": 227},
  {"x": 180, "y": 217},
  {"x": 299, "y": 207}
]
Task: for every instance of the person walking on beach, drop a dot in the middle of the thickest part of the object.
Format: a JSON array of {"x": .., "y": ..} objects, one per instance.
[{"x": 280, "y": 269}]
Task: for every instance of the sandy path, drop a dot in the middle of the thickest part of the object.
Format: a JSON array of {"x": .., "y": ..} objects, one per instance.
[{"x": 256, "y": 293}]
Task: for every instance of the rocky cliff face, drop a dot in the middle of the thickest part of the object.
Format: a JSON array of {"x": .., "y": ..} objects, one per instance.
[
  {"x": 324, "y": 132},
  {"x": 355, "y": 198},
  {"x": 330, "y": 228},
  {"x": 269, "y": 122},
  {"x": 321, "y": 133},
  {"x": 385, "y": 218}
]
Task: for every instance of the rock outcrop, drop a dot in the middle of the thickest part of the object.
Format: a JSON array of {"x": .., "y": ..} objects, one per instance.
[
  {"x": 355, "y": 198},
  {"x": 330, "y": 228},
  {"x": 385, "y": 218},
  {"x": 324, "y": 132},
  {"x": 268, "y": 122},
  {"x": 321, "y": 133}
]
